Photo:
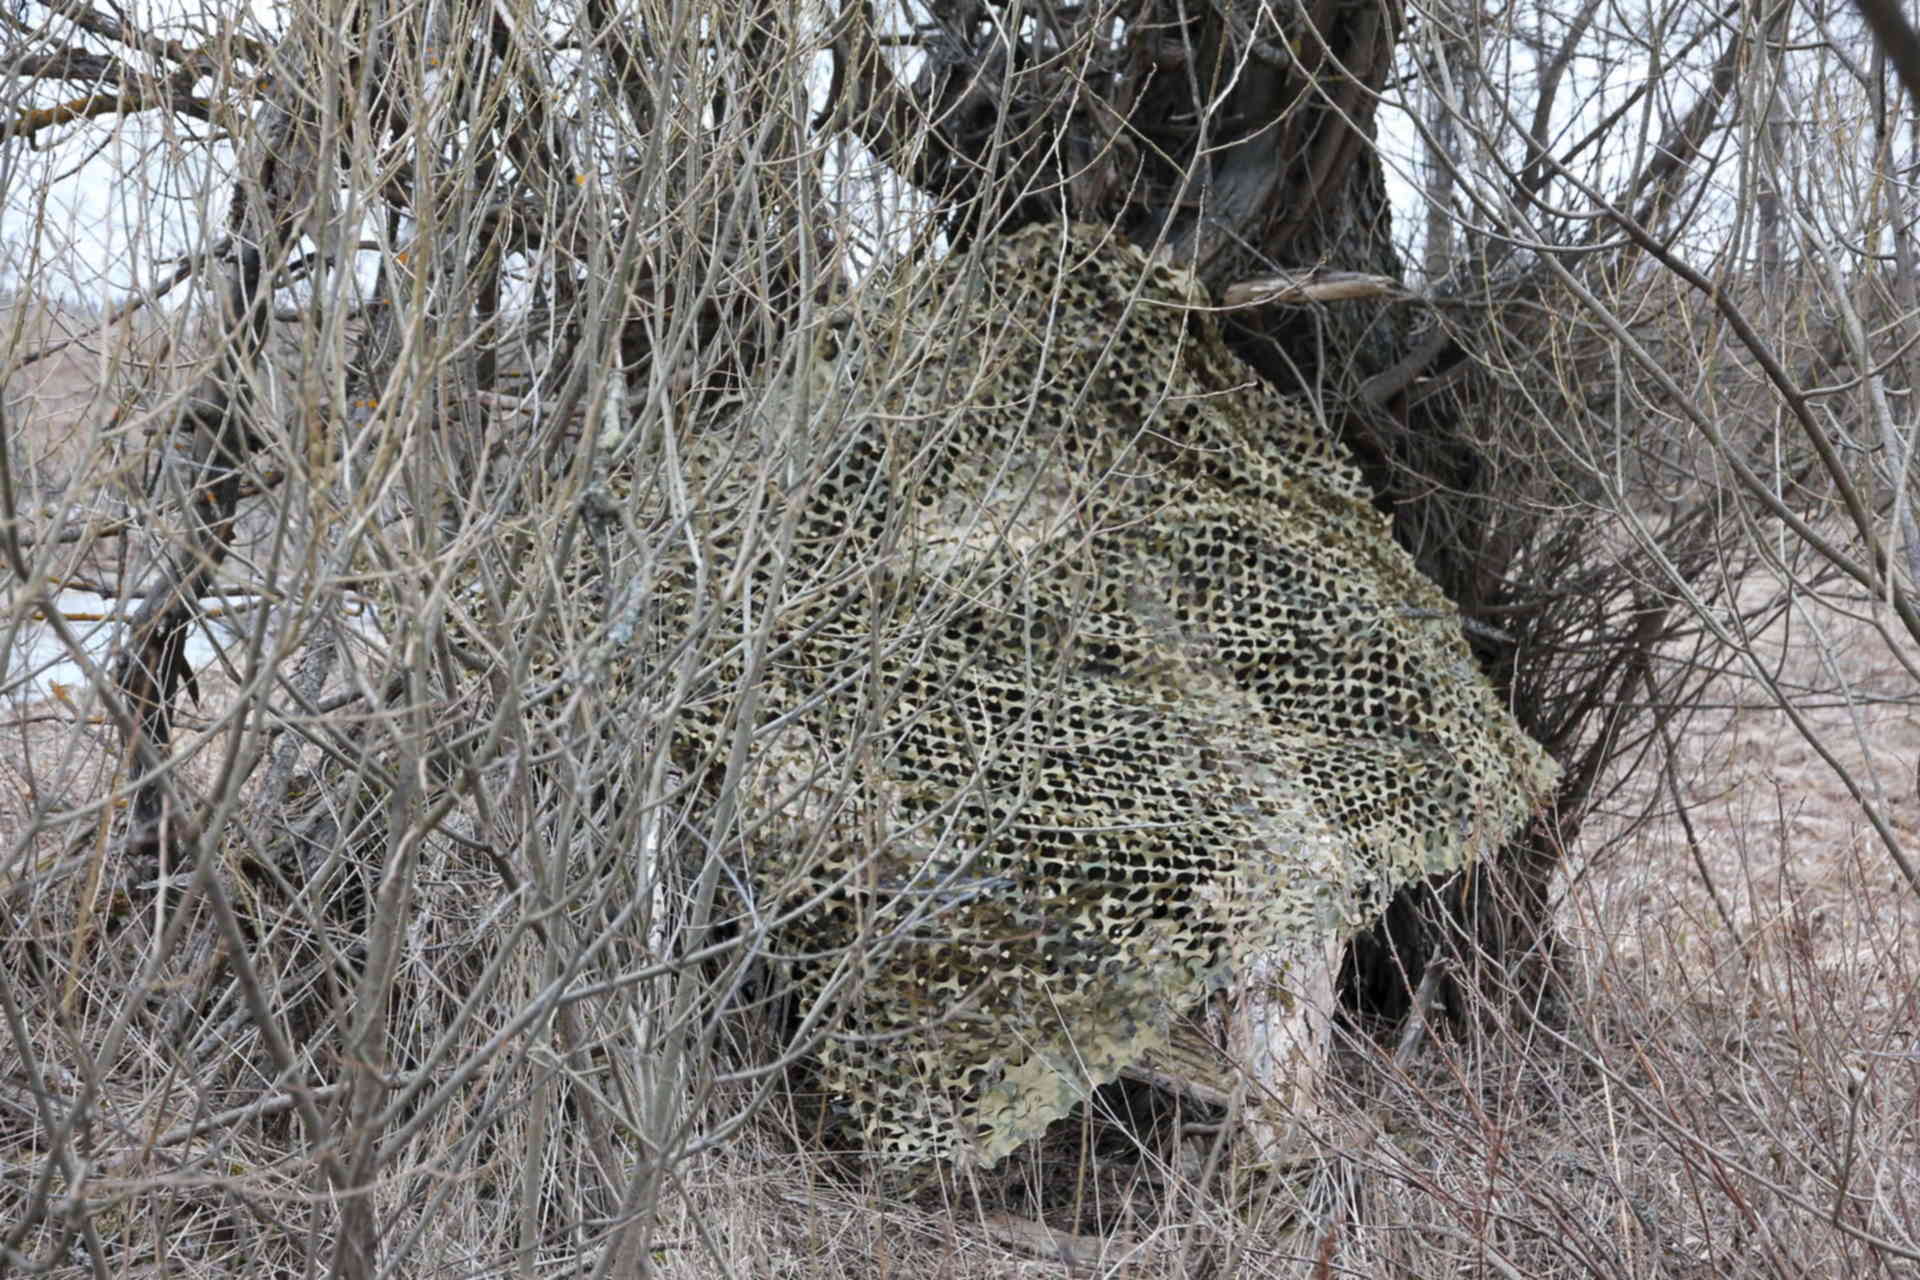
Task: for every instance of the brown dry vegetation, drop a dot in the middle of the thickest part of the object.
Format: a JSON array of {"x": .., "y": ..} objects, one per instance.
[
  {"x": 1728, "y": 1099},
  {"x": 366, "y": 1033}
]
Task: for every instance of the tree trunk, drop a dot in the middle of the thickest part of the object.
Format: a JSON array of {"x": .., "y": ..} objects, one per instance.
[{"x": 1242, "y": 146}]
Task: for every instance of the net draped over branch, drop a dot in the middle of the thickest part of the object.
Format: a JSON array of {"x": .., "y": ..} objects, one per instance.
[{"x": 1087, "y": 675}]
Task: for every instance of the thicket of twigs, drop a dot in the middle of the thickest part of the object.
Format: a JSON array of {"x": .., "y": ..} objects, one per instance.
[{"x": 354, "y": 917}]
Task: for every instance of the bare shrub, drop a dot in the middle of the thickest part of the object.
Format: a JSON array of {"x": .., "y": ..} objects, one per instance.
[{"x": 360, "y": 914}]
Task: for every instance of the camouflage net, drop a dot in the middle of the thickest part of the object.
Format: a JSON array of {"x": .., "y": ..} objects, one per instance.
[{"x": 1087, "y": 677}]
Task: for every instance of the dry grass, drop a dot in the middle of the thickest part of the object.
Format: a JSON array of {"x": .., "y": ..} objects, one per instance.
[
  {"x": 1717, "y": 1108},
  {"x": 1726, "y": 1102}
]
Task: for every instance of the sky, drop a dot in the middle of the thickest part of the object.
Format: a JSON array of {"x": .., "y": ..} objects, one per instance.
[{"x": 106, "y": 207}]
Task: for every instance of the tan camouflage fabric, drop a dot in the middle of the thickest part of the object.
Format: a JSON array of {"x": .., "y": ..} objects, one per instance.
[{"x": 1085, "y": 677}]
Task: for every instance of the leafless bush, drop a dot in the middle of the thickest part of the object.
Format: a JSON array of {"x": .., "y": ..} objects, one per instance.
[{"x": 357, "y": 918}]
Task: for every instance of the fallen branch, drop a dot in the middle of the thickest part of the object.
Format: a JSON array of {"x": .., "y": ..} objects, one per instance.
[
  {"x": 1300, "y": 288},
  {"x": 271, "y": 1105},
  {"x": 1425, "y": 996}
]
